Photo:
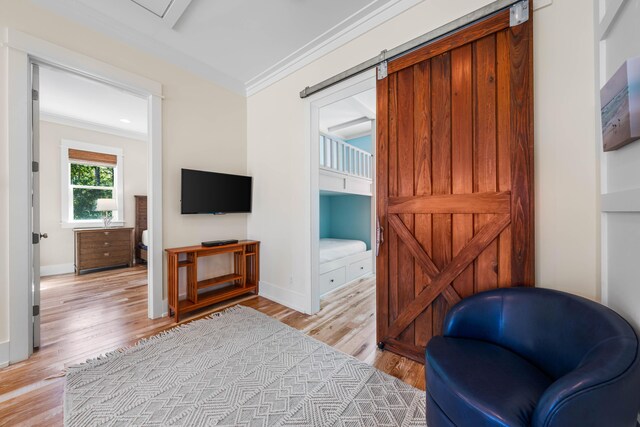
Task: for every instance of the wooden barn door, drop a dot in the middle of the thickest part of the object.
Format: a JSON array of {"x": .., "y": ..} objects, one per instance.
[{"x": 455, "y": 177}]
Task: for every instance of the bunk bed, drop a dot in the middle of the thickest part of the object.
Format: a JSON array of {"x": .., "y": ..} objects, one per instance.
[
  {"x": 341, "y": 262},
  {"x": 344, "y": 169}
]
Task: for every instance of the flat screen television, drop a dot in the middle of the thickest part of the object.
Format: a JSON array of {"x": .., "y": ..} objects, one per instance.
[{"x": 214, "y": 193}]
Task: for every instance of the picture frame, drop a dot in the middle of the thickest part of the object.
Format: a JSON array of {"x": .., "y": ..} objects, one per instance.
[{"x": 620, "y": 100}]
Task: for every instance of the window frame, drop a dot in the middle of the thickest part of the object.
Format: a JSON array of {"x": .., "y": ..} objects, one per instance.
[{"x": 66, "y": 188}]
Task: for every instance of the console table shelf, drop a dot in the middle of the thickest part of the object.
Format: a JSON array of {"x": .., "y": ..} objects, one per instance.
[
  {"x": 201, "y": 293},
  {"x": 219, "y": 280}
]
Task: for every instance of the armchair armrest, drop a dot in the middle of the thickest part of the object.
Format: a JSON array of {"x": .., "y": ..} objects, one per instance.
[{"x": 599, "y": 388}]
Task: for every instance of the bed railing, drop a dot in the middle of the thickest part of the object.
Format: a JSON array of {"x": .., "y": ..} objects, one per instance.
[{"x": 342, "y": 157}]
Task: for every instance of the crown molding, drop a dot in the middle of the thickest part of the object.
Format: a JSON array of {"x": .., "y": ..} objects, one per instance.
[
  {"x": 92, "y": 126},
  {"x": 344, "y": 32}
]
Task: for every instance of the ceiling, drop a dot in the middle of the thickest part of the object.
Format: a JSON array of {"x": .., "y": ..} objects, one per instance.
[
  {"x": 157, "y": 7},
  {"x": 236, "y": 43},
  {"x": 360, "y": 106},
  {"x": 72, "y": 99}
]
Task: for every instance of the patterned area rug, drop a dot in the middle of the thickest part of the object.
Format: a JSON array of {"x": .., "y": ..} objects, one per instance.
[{"x": 236, "y": 368}]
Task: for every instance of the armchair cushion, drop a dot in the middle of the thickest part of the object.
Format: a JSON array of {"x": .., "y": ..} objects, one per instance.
[{"x": 483, "y": 382}]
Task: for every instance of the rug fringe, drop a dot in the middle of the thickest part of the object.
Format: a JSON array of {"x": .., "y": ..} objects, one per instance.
[
  {"x": 143, "y": 341},
  {"x": 61, "y": 374}
]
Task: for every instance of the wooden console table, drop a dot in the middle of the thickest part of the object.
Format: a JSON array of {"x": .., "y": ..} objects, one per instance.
[{"x": 243, "y": 280}]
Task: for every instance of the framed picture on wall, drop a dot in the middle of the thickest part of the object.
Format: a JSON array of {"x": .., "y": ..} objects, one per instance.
[{"x": 620, "y": 100}]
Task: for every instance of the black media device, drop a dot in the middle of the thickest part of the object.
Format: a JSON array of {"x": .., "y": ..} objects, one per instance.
[
  {"x": 215, "y": 193},
  {"x": 213, "y": 243}
]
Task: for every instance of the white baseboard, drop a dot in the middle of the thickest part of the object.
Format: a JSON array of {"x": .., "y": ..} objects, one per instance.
[
  {"x": 53, "y": 270},
  {"x": 286, "y": 297},
  {"x": 4, "y": 354}
]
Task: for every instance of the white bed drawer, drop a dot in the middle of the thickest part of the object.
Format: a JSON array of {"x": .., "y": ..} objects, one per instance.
[
  {"x": 332, "y": 279},
  {"x": 358, "y": 268}
]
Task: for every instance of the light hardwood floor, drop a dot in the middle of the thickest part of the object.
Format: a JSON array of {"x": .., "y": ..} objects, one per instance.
[{"x": 86, "y": 316}]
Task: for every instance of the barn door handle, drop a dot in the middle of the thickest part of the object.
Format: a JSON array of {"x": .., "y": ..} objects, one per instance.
[{"x": 379, "y": 235}]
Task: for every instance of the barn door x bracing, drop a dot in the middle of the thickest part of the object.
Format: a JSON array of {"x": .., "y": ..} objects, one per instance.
[{"x": 455, "y": 177}]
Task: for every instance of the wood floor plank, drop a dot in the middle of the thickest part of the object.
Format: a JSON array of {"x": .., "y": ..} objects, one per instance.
[{"x": 89, "y": 315}]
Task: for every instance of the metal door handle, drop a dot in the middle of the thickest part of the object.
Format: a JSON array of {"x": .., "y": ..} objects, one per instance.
[
  {"x": 44, "y": 236},
  {"x": 379, "y": 235}
]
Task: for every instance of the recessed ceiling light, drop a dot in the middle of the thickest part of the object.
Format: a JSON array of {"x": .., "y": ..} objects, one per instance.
[{"x": 125, "y": 121}]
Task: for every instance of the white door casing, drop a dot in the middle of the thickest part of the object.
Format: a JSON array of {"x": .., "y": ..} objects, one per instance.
[
  {"x": 355, "y": 85},
  {"x": 20, "y": 50}
]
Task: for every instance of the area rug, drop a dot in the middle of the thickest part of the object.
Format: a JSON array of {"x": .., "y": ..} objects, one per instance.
[{"x": 236, "y": 368}]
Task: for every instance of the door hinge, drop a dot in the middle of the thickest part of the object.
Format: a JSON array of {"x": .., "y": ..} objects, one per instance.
[
  {"x": 519, "y": 13},
  {"x": 35, "y": 167},
  {"x": 35, "y": 95},
  {"x": 35, "y": 238},
  {"x": 36, "y": 310}
]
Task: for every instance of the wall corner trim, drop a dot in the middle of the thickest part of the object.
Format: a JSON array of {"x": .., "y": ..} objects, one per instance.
[
  {"x": 292, "y": 299},
  {"x": 4, "y": 354}
]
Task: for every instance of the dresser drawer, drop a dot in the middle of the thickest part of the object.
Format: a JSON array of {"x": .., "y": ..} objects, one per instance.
[
  {"x": 107, "y": 260},
  {"x": 104, "y": 244},
  {"x": 332, "y": 279},
  {"x": 105, "y": 236},
  {"x": 106, "y": 254}
]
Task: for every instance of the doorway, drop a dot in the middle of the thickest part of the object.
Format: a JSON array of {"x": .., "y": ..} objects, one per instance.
[
  {"x": 343, "y": 218},
  {"x": 89, "y": 215}
]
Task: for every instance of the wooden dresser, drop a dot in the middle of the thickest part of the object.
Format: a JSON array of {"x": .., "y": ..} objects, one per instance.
[{"x": 103, "y": 248}]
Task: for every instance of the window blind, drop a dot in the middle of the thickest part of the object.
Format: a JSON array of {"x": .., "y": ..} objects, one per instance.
[{"x": 90, "y": 156}]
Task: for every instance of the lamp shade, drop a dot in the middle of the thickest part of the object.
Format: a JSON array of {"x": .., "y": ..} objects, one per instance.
[{"x": 105, "y": 205}]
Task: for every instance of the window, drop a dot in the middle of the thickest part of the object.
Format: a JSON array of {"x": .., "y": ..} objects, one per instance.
[
  {"x": 88, "y": 184},
  {"x": 89, "y": 172}
]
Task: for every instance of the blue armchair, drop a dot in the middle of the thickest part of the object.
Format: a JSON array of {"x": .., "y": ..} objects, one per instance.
[{"x": 533, "y": 357}]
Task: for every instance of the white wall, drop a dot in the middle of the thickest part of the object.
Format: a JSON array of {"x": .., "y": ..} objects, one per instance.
[
  {"x": 621, "y": 175},
  {"x": 565, "y": 156},
  {"x": 56, "y": 252},
  {"x": 204, "y": 126}
]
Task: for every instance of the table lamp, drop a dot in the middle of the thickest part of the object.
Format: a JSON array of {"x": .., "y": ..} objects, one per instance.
[{"x": 105, "y": 206}]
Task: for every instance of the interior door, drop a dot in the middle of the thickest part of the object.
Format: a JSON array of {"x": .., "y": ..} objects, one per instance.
[
  {"x": 455, "y": 177},
  {"x": 35, "y": 200}
]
